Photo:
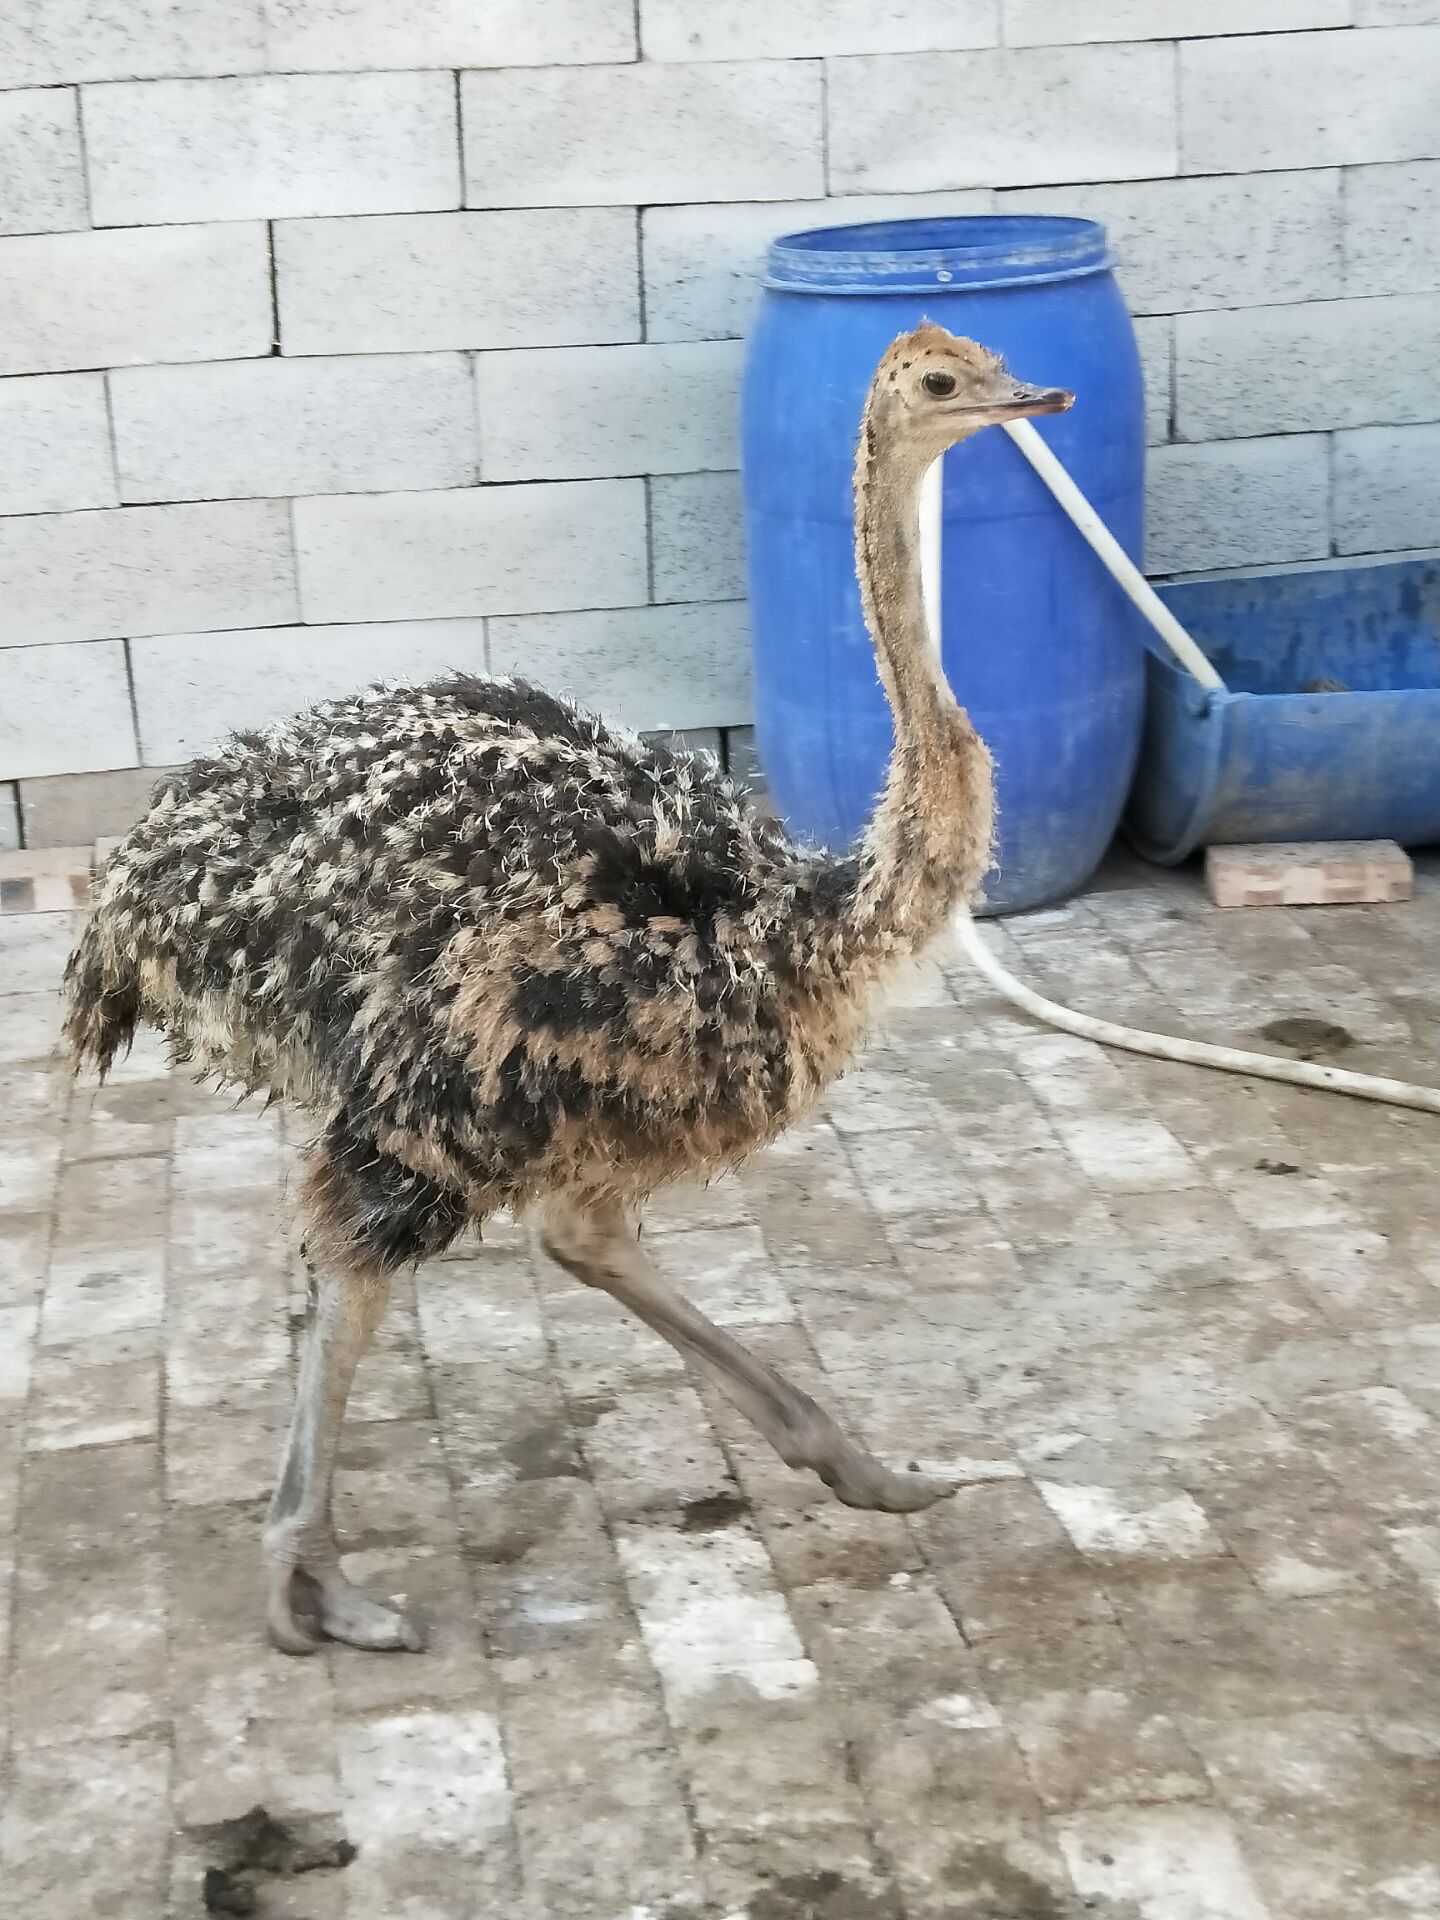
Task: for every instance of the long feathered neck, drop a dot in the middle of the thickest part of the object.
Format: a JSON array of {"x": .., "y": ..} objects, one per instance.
[{"x": 928, "y": 843}]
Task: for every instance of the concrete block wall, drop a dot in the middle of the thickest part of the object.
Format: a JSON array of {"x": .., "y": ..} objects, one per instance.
[{"x": 340, "y": 340}]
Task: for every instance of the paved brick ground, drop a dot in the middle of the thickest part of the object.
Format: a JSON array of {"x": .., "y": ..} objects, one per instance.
[{"x": 1169, "y": 1654}]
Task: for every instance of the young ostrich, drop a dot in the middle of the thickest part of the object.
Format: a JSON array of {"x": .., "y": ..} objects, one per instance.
[{"x": 510, "y": 957}]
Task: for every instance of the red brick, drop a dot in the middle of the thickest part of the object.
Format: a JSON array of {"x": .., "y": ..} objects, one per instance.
[{"x": 44, "y": 879}]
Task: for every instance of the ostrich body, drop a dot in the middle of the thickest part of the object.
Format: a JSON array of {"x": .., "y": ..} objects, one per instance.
[{"x": 507, "y": 956}]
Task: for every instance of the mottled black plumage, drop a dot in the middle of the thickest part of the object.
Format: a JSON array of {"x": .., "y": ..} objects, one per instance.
[
  {"x": 399, "y": 1216},
  {"x": 488, "y": 940}
]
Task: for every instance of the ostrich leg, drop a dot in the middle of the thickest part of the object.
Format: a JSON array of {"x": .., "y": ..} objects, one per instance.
[
  {"x": 308, "y": 1595},
  {"x": 598, "y": 1245}
]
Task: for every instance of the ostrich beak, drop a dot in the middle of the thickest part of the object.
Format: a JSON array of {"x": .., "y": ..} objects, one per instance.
[{"x": 1027, "y": 400}]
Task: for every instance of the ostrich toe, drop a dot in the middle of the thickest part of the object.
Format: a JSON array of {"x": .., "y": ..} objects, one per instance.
[{"x": 308, "y": 1608}]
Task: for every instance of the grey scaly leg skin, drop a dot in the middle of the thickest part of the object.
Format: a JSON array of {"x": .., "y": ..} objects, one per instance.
[
  {"x": 309, "y": 1598},
  {"x": 599, "y": 1246}
]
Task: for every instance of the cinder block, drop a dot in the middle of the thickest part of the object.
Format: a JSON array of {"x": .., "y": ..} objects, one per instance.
[
  {"x": 400, "y": 283},
  {"x": 1308, "y": 99},
  {"x": 908, "y": 122},
  {"x": 191, "y": 689},
  {"x": 45, "y": 43},
  {"x": 1314, "y": 874},
  {"x": 276, "y": 427},
  {"x": 78, "y": 809},
  {"x": 697, "y": 537},
  {"x": 1211, "y": 241},
  {"x": 74, "y": 300},
  {"x": 272, "y": 146},
  {"x": 1053, "y": 22},
  {"x": 42, "y": 177},
  {"x": 1392, "y": 235},
  {"x": 808, "y": 29},
  {"x": 1237, "y": 503},
  {"x": 1387, "y": 489},
  {"x": 742, "y": 759},
  {"x": 1155, "y": 337},
  {"x": 1331, "y": 363},
  {"x": 700, "y": 744},
  {"x": 64, "y": 709},
  {"x": 1397, "y": 13},
  {"x": 703, "y": 264},
  {"x": 9, "y": 815},
  {"x": 331, "y": 36},
  {"x": 91, "y": 576},
  {"x": 645, "y": 667},
  {"x": 55, "y": 444},
  {"x": 416, "y": 556},
  {"x": 581, "y": 412},
  {"x": 584, "y": 136}
]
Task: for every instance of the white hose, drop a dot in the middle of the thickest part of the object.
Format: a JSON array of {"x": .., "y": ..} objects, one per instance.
[
  {"x": 1190, "y": 1053},
  {"x": 1160, "y": 1046},
  {"x": 1117, "y": 561}
]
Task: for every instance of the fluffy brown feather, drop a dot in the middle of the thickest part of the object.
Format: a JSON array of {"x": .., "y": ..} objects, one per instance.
[{"x": 493, "y": 945}]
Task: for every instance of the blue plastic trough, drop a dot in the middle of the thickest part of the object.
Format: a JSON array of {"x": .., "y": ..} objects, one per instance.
[{"x": 1329, "y": 728}]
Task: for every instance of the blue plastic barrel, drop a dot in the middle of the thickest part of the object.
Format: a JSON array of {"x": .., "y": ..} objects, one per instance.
[{"x": 1039, "y": 643}]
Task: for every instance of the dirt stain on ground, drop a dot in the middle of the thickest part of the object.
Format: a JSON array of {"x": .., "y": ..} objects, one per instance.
[
  {"x": 380, "y": 1539},
  {"x": 999, "y": 1889},
  {"x": 1308, "y": 1036},
  {"x": 585, "y": 1413},
  {"x": 544, "y": 1452},
  {"x": 817, "y": 1896},
  {"x": 716, "y": 1510},
  {"x": 257, "y": 1846}
]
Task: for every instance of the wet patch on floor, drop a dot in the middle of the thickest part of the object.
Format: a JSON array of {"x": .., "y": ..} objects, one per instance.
[{"x": 1306, "y": 1036}]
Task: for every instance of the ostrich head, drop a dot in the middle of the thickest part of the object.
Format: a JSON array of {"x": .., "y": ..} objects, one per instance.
[{"x": 933, "y": 389}]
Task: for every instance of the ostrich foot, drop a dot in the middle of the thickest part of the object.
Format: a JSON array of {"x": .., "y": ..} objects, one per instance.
[
  {"x": 809, "y": 1437},
  {"x": 864, "y": 1483},
  {"x": 308, "y": 1607}
]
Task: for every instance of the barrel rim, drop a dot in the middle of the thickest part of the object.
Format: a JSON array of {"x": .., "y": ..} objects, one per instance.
[{"x": 946, "y": 253}]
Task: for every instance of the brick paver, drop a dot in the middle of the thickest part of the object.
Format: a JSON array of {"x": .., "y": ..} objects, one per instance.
[{"x": 1168, "y": 1655}]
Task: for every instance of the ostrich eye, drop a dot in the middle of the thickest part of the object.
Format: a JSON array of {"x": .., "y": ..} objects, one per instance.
[{"x": 940, "y": 384}]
